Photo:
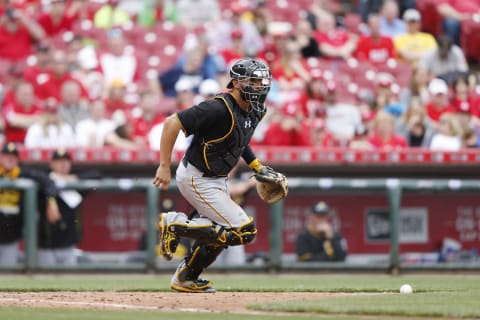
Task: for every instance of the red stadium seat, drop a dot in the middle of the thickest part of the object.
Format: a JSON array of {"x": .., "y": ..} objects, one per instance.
[{"x": 470, "y": 39}]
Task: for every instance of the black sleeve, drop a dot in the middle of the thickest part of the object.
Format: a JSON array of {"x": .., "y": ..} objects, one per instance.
[
  {"x": 208, "y": 118},
  {"x": 45, "y": 184},
  {"x": 248, "y": 155}
]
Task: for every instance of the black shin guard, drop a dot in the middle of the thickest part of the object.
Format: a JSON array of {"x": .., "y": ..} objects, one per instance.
[{"x": 201, "y": 256}]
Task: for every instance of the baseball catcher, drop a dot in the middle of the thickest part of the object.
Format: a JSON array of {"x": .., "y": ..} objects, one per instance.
[{"x": 221, "y": 130}]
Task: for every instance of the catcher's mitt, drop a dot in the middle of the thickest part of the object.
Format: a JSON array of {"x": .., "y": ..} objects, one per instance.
[{"x": 272, "y": 186}]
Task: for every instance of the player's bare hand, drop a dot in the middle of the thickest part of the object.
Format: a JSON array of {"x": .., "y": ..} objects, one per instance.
[{"x": 162, "y": 177}]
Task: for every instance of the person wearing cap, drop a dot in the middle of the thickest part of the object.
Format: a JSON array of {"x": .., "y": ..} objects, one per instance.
[
  {"x": 413, "y": 45},
  {"x": 57, "y": 240},
  {"x": 320, "y": 241},
  {"x": 439, "y": 102},
  {"x": 11, "y": 208}
]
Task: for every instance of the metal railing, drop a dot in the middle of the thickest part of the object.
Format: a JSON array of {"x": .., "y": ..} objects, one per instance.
[{"x": 393, "y": 188}]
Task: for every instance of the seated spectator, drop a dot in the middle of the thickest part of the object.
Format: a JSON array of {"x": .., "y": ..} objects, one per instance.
[
  {"x": 417, "y": 87},
  {"x": 414, "y": 45},
  {"x": 18, "y": 33},
  {"x": 290, "y": 71},
  {"x": 20, "y": 113},
  {"x": 449, "y": 134},
  {"x": 463, "y": 99},
  {"x": 386, "y": 98},
  {"x": 261, "y": 17},
  {"x": 58, "y": 74},
  {"x": 285, "y": 129},
  {"x": 185, "y": 94},
  {"x": 341, "y": 118},
  {"x": 86, "y": 71},
  {"x": 312, "y": 99},
  {"x": 320, "y": 241},
  {"x": 303, "y": 36},
  {"x": 334, "y": 42},
  {"x": 314, "y": 134},
  {"x": 191, "y": 69},
  {"x": 374, "y": 47},
  {"x": 453, "y": 13},
  {"x": 39, "y": 71},
  {"x": 71, "y": 108},
  {"x": 14, "y": 77},
  {"x": 60, "y": 16},
  {"x": 49, "y": 132},
  {"x": 111, "y": 15},
  {"x": 156, "y": 11},
  {"x": 193, "y": 14},
  {"x": 145, "y": 117},
  {"x": 447, "y": 61},
  {"x": 116, "y": 98},
  {"x": 236, "y": 50},
  {"x": 92, "y": 132},
  {"x": 439, "y": 102},
  {"x": 414, "y": 126},
  {"x": 390, "y": 23},
  {"x": 220, "y": 33},
  {"x": 383, "y": 133},
  {"x": 122, "y": 136},
  {"x": 117, "y": 62}
]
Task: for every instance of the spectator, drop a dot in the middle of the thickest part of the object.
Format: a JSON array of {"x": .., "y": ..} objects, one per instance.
[
  {"x": 116, "y": 98},
  {"x": 449, "y": 134},
  {"x": 191, "y": 69},
  {"x": 319, "y": 10},
  {"x": 197, "y": 13},
  {"x": 236, "y": 50},
  {"x": 290, "y": 71},
  {"x": 156, "y": 11},
  {"x": 111, "y": 15},
  {"x": 92, "y": 132},
  {"x": 390, "y": 24},
  {"x": 453, "y": 13},
  {"x": 50, "y": 132},
  {"x": 312, "y": 99},
  {"x": 261, "y": 17},
  {"x": 305, "y": 40},
  {"x": 375, "y": 48},
  {"x": 320, "y": 241},
  {"x": 11, "y": 208},
  {"x": 20, "y": 113},
  {"x": 285, "y": 129},
  {"x": 383, "y": 133},
  {"x": 18, "y": 33},
  {"x": 220, "y": 35},
  {"x": 72, "y": 109},
  {"x": 413, "y": 45},
  {"x": 57, "y": 239},
  {"x": 15, "y": 77},
  {"x": 146, "y": 116},
  {"x": 37, "y": 72},
  {"x": 439, "y": 102},
  {"x": 463, "y": 99},
  {"x": 117, "y": 62},
  {"x": 341, "y": 118},
  {"x": 414, "y": 126},
  {"x": 417, "y": 88},
  {"x": 86, "y": 72},
  {"x": 59, "y": 74},
  {"x": 447, "y": 61},
  {"x": 334, "y": 42},
  {"x": 386, "y": 97},
  {"x": 60, "y": 16},
  {"x": 209, "y": 88},
  {"x": 185, "y": 94}
]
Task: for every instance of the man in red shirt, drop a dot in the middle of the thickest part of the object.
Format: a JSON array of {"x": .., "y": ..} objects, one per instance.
[
  {"x": 17, "y": 34},
  {"x": 374, "y": 47},
  {"x": 58, "y": 75},
  {"x": 20, "y": 113},
  {"x": 148, "y": 117},
  {"x": 383, "y": 135}
]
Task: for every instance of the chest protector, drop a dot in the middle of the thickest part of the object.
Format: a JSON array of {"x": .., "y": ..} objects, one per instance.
[{"x": 220, "y": 155}]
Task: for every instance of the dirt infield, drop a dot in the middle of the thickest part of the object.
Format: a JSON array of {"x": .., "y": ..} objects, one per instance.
[{"x": 233, "y": 302}]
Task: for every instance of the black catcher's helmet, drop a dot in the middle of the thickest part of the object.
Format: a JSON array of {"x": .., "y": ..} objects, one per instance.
[{"x": 255, "y": 80}]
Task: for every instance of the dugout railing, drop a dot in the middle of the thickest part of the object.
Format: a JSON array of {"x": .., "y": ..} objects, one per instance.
[{"x": 392, "y": 188}]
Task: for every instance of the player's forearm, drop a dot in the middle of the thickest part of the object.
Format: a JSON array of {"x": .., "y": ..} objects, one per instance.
[{"x": 172, "y": 127}]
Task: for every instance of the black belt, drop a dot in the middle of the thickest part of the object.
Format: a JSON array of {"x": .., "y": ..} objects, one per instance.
[{"x": 204, "y": 174}]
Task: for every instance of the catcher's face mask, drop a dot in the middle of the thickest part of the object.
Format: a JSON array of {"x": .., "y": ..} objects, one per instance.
[{"x": 254, "y": 79}]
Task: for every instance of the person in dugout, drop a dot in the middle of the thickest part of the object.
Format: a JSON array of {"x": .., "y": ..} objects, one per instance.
[
  {"x": 11, "y": 203},
  {"x": 320, "y": 241}
]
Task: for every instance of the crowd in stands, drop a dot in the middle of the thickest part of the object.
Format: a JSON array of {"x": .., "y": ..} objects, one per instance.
[{"x": 106, "y": 73}]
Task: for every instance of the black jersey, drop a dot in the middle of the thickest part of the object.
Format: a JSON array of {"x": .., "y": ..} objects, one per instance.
[{"x": 221, "y": 133}]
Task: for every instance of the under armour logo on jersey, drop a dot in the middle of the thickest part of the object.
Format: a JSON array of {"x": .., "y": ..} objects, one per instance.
[{"x": 248, "y": 124}]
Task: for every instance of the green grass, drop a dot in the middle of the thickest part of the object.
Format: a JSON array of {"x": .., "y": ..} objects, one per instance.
[{"x": 437, "y": 296}]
